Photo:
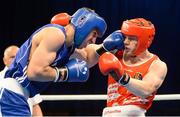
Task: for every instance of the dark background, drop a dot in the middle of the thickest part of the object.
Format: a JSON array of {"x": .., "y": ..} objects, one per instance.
[{"x": 20, "y": 18}]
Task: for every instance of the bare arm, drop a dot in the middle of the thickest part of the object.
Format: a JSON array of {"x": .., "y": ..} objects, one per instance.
[
  {"x": 49, "y": 41},
  {"x": 111, "y": 43},
  {"x": 88, "y": 54},
  {"x": 151, "y": 81}
]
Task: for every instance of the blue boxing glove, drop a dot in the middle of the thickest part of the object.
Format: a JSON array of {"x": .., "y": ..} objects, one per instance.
[
  {"x": 114, "y": 41},
  {"x": 74, "y": 71}
]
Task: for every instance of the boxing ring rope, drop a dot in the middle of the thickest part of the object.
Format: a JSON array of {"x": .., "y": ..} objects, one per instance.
[{"x": 101, "y": 97}]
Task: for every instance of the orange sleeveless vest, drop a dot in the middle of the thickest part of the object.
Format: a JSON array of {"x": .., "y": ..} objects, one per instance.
[{"x": 119, "y": 95}]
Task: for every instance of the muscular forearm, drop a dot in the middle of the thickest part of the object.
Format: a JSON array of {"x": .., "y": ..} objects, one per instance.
[
  {"x": 140, "y": 88},
  {"x": 87, "y": 54},
  {"x": 92, "y": 55},
  {"x": 41, "y": 74}
]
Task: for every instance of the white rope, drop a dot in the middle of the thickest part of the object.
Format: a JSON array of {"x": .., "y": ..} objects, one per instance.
[
  {"x": 167, "y": 97},
  {"x": 102, "y": 97}
]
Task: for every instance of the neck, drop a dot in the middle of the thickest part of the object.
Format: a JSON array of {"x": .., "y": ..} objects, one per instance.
[
  {"x": 70, "y": 31},
  {"x": 139, "y": 58}
]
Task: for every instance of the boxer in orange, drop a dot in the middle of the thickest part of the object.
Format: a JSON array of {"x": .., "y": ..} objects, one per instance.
[{"x": 134, "y": 74}]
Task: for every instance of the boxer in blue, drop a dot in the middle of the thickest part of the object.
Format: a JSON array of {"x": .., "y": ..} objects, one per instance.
[{"x": 54, "y": 53}]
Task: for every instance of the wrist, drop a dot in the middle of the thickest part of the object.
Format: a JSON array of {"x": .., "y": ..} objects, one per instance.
[
  {"x": 124, "y": 80},
  {"x": 101, "y": 50},
  {"x": 61, "y": 74}
]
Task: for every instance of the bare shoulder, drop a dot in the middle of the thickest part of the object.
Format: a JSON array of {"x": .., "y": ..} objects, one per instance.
[
  {"x": 159, "y": 67},
  {"x": 53, "y": 32},
  {"x": 159, "y": 63},
  {"x": 50, "y": 36}
]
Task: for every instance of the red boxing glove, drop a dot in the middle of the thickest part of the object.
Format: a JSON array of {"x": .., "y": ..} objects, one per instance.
[
  {"x": 61, "y": 19},
  {"x": 108, "y": 63}
]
